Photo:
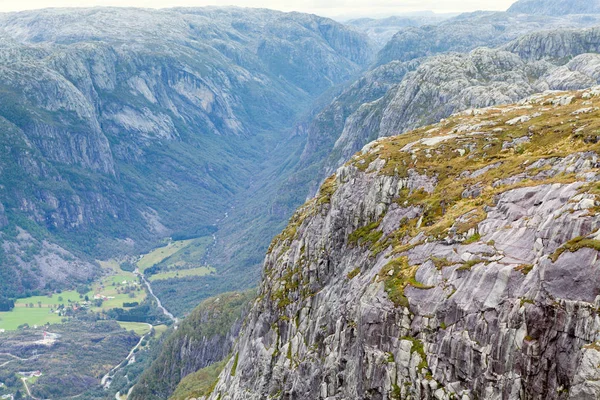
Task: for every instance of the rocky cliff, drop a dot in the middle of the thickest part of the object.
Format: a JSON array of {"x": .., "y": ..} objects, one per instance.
[
  {"x": 456, "y": 261},
  {"x": 381, "y": 30}
]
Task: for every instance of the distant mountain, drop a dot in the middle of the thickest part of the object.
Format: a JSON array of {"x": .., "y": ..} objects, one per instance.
[
  {"x": 381, "y": 30},
  {"x": 400, "y": 96},
  {"x": 469, "y": 31},
  {"x": 120, "y": 127},
  {"x": 556, "y": 7}
]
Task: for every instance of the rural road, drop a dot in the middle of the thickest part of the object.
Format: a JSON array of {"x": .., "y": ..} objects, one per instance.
[{"x": 106, "y": 379}]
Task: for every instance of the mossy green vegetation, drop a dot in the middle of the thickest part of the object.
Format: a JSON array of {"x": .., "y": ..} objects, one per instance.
[
  {"x": 367, "y": 235},
  {"x": 468, "y": 265},
  {"x": 575, "y": 244},
  {"x": 440, "y": 262},
  {"x": 327, "y": 190},
  {"x": 524, "y": 268},
  {"x": 473, "y": 238},
  {"x": 397, "y": 275},
  {"x": 417, "y": 347},
  {"x": 200, "y": 383},
  {"x": 470, "y": 156},
  {"x": 289, "y": 283},
  {"x": 235, "y": 364},
  {"x": 352, "y": 274}
]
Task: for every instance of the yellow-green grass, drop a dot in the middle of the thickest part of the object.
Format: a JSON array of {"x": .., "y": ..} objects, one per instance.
[
  {"x": 119, "y": 298},
  {"x": 36, "y": 315},
  {"x": 158, "y": 255},
  {"x": 139, "y": 328},
  {"x": 120, "y": 278},
  {"x": 22, "y": 314},
  {"x": 160, "y": 330},
  {"x": 108, "y": 286},
  {"x": 200, "y": 271},
  {"x": 188, "y": 256},
  {"x": 11, "y": 320}
]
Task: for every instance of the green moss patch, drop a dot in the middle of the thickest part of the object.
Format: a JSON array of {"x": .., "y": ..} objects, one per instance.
[
  {"x": 524, "y": 268},
  {"x": 417, "y": 347},
  {"x": 367, "y": 235},
  {"x": 397, "y": 275},
  {"x": 352, "y": 274},
  {"x": 576, "y": 244}
]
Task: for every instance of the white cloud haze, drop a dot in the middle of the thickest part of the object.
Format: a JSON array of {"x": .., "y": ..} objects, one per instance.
[{"x": 331, "y": 8}]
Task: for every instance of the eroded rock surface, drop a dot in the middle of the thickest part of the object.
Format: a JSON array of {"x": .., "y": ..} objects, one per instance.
[{"x": 390, "y": 284}]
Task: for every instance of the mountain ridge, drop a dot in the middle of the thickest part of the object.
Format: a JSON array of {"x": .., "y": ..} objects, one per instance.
[
  {"x": 152, "y": 122},
  {"x": 556, "y": 7}
]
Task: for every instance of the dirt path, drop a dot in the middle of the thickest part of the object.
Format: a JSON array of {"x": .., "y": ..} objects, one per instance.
[
  {"x": 15, "y": 358},
  {"x": 27, "y": 389}
]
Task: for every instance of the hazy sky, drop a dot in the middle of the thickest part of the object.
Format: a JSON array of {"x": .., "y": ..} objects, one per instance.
[{"x": 331, "y": 8}]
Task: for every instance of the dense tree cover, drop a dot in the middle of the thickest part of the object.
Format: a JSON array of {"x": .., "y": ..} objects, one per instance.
[
  {"x": 145, "y": 312},
  {"x": 6, "y": 304}
]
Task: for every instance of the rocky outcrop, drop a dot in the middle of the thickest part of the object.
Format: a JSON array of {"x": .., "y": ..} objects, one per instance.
[
  {"x": 204, "y": 338},
  {"x": 556, "y": 7},
  {"x": 456, "y": 261},
  {"x": 559, "y": 44},
  {"x": 419, "y": 92}
]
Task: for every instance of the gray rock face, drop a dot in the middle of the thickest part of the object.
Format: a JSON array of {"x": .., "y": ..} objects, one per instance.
[
  {"x": 55, "y": 266},
  {"x": 322, "y": 130},
  {"x": 132, "y": 124},
  {"x": 555, "y": 7},
  {"x": 373, "y": 293},
  {"x": 557, "y": 44}
]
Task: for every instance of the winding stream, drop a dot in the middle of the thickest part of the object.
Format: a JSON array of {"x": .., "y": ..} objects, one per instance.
[{"x": 158, "y": 302}]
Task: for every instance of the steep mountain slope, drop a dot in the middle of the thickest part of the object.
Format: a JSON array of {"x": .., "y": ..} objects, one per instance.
[
  {"x": 204, "y": 338},
  {"x": 469, "y": 31},
  {"x": 456, "y": 261},
  {"x": 418, "y": 92},
  {"x": 556, "y": 7},
  {"x": 124, "y": 126}
]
